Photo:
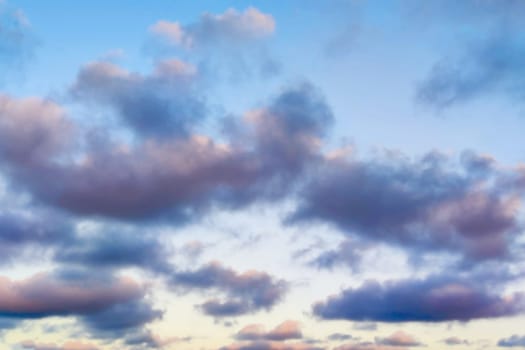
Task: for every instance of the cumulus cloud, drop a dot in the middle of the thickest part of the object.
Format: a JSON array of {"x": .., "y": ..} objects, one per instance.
[
  {"x": 230, "y": 27},
  {"x": 433, "y": 299},
  {"x": 246, "y": 292},
  {"x": 431, "y": 203},
  {"x": 178, "y": 177}
]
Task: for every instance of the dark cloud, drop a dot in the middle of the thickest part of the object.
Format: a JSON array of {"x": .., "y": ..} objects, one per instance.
[
  {"x": 287, "y": 330},
  {"x": 246, "y": 292},
  {"x": 512, "y": 341},
  {"x": 428, "y": 204},
  {"x": 434, "y": 299},
  {"x": 121, "y": 318}
]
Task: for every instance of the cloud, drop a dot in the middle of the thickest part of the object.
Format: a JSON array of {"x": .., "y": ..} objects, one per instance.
[
  {"x": 113, "y": 249},
  {"x": 270, "y": 345},
  {"x": 433, "y": 299},
  {"x": 103, "y": 303},
  {"x": 429, "y": 204},
  {"x": 23, "y": 229},
  {"x": 368, "y": 346},
  {"x": 230, "y": 27},
  {"x": 455, "y": 341},
  {"x": 246, "y": 292},
  {"x": 347, "y": 253},
  {"x": 153, "y": 341},
  {"x": 513, "y": 341},
  {"x": 69, "y": 345},
  {"x": 287, "y": 330},
  {"x": 177, "y": 178},
  {"x": 488, "y": 61},
  {"x": 121, "y": 318},
  {"x": 31, "y": 129},
  {"x": 163, "y": 104},
  {"x": 491, "y": 66},
  {"x": 47, "y": 295},
  {"x": 399, "y": 338}
]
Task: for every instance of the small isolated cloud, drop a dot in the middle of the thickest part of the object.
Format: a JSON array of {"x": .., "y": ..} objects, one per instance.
[
  {"x": 245, "y": 292},
  {"x": 512, "y": 341},
  {"x": 399, "y": 338},
  {"x": 287, "y": 330},
  {"x": 455, "y": 341},
  {"x": 150, "y": 340}
]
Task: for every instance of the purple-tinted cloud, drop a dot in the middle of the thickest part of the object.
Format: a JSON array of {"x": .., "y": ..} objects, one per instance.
[
  {"x": 430, "y": 203},
  {"x": 246, "y": 292},
  {"x": 434, "y": 299},
  {"x": 163, "y": 104}
]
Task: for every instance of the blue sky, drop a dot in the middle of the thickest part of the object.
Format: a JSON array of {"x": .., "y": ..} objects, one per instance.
[{"x": 295, "y": 175}]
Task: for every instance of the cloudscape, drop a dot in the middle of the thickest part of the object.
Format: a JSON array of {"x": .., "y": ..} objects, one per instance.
[{"x": 264, "y": 175}]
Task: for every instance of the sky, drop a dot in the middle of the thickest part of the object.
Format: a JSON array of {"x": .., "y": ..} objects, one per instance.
[{"x": 264, "y": 175}]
